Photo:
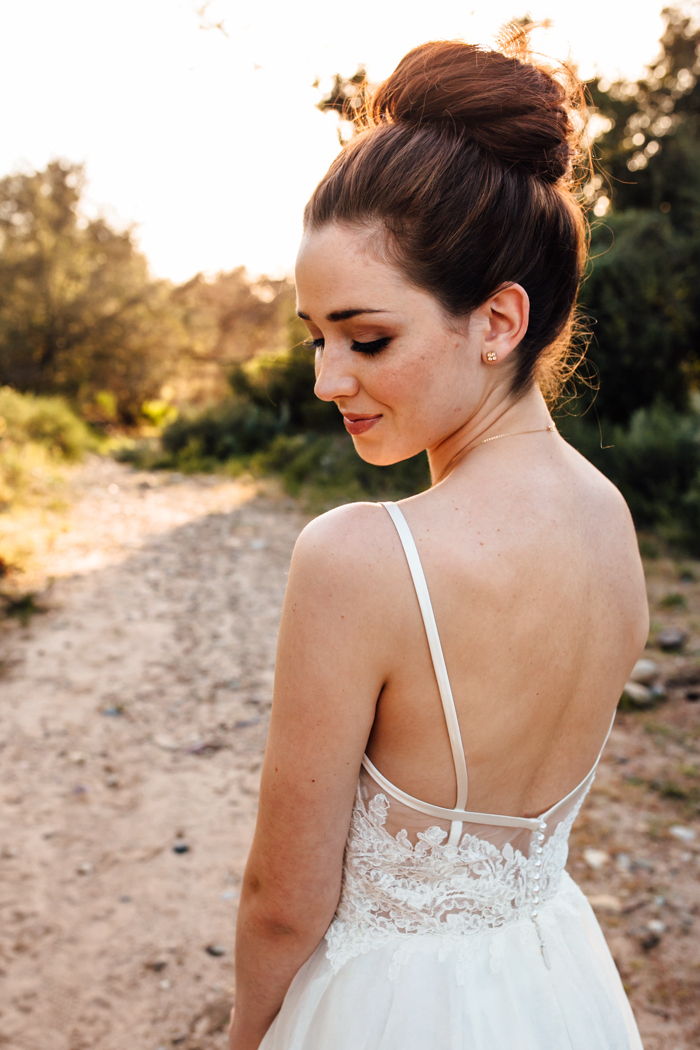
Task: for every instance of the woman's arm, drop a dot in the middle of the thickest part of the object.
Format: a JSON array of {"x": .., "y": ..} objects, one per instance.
[{"x": 332, "y": 660}]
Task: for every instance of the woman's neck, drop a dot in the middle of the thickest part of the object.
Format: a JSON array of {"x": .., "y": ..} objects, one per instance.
[{"x": 529, "y": 413}]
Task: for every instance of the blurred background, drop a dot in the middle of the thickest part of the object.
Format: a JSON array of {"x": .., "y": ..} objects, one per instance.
[{"x": 161, "y": 448}]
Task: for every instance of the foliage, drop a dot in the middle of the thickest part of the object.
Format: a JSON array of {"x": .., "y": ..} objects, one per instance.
[
  {"x": 46, "y": 421},
  {"x": 642, "y": 293},
  {"x": 159, "y": 413},
  {"x": 22, "y": 607},
  {"x": 37, "y": 435},
  {"x": 80, "y": 315},
  {"x": 78, "y": 310},
  {"x": 284, "y": 382},
  {"x": 649, "y": 149},
  {"x": 227, "y": 319},
  {"x": 218, "y": 433},
  {"x": 326, "y": 469}
]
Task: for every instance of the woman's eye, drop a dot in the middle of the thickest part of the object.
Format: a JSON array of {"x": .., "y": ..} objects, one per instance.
[
  {"x": 371, "y": 348},
  {"x": 314, "y": 344}
]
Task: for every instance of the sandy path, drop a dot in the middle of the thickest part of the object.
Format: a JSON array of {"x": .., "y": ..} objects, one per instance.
[
  {"x": 132, "y": 720},
  {"x": 164, "y": 615}
]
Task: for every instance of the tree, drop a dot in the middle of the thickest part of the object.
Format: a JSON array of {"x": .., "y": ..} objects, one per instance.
[
  {"x": 642, "y": 305},
  {"x": 650, "y": 150},
  {"x": 642, "y": 293},
  {"x": 228, "y": 319},
  {"x": 79, "y": 313}
]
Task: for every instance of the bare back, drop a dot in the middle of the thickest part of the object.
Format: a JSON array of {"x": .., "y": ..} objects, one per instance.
[{"x": 539, "y": 597}]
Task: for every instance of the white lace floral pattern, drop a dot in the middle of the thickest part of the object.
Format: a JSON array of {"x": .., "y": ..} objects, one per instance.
[{"x": 393, "y": 888}]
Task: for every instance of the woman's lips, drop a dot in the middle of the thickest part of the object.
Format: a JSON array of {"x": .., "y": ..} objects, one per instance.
[{"x": 360, "y": 424}]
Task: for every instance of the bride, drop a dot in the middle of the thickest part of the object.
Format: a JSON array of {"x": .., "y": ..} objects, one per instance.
[{"x": 448, "y": 668}]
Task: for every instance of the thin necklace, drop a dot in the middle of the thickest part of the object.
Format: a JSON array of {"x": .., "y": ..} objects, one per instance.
[{"x": 510, "y": 434}]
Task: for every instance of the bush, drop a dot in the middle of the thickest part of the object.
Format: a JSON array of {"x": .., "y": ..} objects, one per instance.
[
  {"x": 233, "y": 428},
  {"x": 284, "y": 384},
  {"x": 37, "y": 434},
  {"x": 640, "y": 296},
  {"x": 46, "y": 421},
  {"x": 327, "y": 468}
]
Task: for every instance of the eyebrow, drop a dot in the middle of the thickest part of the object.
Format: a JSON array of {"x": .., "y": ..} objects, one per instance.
[{"x": 343, "y": 315}]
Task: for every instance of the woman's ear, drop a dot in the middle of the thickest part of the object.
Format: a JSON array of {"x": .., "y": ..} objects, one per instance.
[{"x": 505, "y": 317}]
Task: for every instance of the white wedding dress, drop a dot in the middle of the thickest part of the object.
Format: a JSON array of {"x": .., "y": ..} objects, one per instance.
[{"x": 458, "y": 932}]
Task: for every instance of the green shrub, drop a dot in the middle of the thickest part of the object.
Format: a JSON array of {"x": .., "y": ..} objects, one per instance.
[
  {"x": 327, "y": 468},
  {"x": 37, "y": 435},
  {"x": 266, "y": 427},
  {"x": 283, "y": 383},
  {"x": 218, "y": 433},
  {"x": 46, "y": 421}
]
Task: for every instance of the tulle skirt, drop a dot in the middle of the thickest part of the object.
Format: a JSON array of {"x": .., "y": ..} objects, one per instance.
[{"x": 487, "y": 990}]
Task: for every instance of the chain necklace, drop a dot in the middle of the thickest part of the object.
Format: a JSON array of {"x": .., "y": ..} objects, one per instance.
[{"x": 512, "y": 433}]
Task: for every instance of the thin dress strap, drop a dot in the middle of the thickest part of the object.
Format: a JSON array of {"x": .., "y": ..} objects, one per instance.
[
  {"x": 459, "y": 815},
  {"x": 436, "y": 653}
]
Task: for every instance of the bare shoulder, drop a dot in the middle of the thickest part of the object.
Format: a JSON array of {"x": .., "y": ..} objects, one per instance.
[
  {"x": 345, "y": 581},
  {"x": 351, "y": 544},
  {"x": 603, "y": 497}
]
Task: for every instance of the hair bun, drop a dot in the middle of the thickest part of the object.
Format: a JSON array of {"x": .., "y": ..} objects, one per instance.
[{"x": 514, "y": 110}]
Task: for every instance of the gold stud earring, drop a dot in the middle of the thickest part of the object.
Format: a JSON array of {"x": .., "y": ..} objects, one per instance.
[{"x": 491, "y": 355}]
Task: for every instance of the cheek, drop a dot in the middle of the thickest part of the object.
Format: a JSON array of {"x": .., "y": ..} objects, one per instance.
[
  {"x": 395, "y": 385},
  {"x": 428, "y": 379}
]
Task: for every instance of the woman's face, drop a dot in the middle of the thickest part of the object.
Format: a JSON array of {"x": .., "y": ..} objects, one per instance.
[{"x": 403, "y": 374}]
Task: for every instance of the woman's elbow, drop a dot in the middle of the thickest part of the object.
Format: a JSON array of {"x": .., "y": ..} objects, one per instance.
[{"x": 288, "y": 915}]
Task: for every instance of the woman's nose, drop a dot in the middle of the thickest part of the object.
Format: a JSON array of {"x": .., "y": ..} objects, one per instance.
[{"x": 334, "y": 376}]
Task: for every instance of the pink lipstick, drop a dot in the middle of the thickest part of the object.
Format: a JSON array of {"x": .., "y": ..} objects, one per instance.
[{"x": 359, "y": 424}]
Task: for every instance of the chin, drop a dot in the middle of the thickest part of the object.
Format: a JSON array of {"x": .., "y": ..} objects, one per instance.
[{"x": 384, "y": 457}]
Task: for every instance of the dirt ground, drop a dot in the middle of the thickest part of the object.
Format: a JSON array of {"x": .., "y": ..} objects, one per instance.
[{"x": 132, "y": 722}]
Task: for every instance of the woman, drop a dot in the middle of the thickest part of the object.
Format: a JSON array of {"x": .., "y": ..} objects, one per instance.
[{"x": 428, "y": 908}]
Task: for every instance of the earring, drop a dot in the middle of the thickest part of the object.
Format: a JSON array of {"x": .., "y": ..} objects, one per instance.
[{"x": 491, "y": 355}]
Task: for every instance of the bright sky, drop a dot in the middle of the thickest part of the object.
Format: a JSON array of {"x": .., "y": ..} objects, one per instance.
[{"x": 211, "y": 143}]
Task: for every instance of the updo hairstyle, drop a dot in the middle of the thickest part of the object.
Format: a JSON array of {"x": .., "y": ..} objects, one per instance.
[{"x": 465, "y": 161}]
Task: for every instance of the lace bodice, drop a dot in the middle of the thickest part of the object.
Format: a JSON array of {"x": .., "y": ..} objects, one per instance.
[{"x": 392, "y": 886}]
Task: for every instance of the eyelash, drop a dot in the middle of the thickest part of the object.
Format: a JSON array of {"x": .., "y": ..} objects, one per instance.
[{"x": 370, "y": 349}]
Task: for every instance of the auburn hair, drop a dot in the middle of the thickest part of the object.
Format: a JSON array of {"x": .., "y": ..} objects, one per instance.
[{"x": 465, "y": 160}]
